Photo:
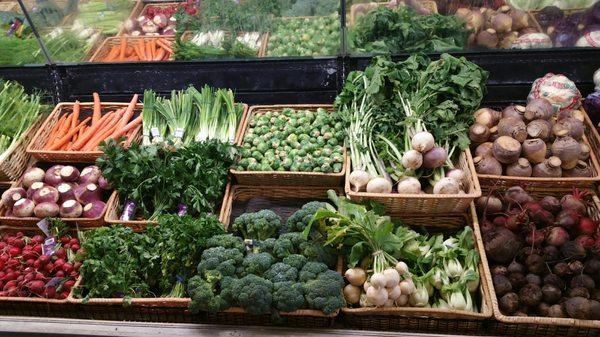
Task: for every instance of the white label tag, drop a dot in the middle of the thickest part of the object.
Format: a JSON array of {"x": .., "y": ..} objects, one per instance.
[
  {"x": 178, "y": 133},
  {"x": 155, "y": 132}
]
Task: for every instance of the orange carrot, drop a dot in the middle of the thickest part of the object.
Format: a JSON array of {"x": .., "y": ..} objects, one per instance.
[
  {"x": 128, "y": 112},
  {"x": 97, "y": 109},
  {"x": 122, "y": 49},
  {"x": 62, "y": 130},
  {"x": 61, "y": 142},
  {"x": 138, "y": 53},
  {"x": 103, "y": 133},
  {"x": 142, "y": 50},
  {"x": 94, "y": 142},
  {"x": 114, "y": 52},
  {"x": 165, "y": 45},
  {"x": 91, "y": 131},
  {"x": 160, "y": 54},
  {"x": 134, "y": 123},
  {"x": 148, "y": 52},
  {"x": 76, "y": 110},
  {"x": 56, "y": 127}
]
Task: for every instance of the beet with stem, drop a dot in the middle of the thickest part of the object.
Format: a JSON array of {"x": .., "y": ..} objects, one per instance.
[
  {"x": 530, "y": 295},
  {"x": 578, "y": 307},
  {"x": 579, "y": 292},
  {"x": 501, "y": 245},
  {"x": 551, "y": 293},
  {"x": 501, "y": 284},
  {"x": 551, "y": 204},
  {"x": 509, "y": 303}
]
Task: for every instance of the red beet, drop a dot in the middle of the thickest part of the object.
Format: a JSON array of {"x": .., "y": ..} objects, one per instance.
[
  {"x": 557, "y": 236},
  {"x": 586, "y": 241},
  {"x": 535, "y": 237},
  {"x": 550, "y": 204},
  {"x": 538, "y": 214},
  {"x": 574, "y": 201},
  {"x": 587, "y": 226},
  {"x": 567, "y": 218}
]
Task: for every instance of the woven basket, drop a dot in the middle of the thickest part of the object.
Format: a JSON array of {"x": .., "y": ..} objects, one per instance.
[
  {"x": 283, "y": 178},
  {"x": 113, "y": 213},
  {"x": 592, "y": 136},
  {"x": 425, "y": 203},
  {"x": 109, "y": 42},
  {"x": 430, "y": 319},
  {"x": 540, "y": 326},
  {"x": 262, "y": 49},
  {"x": 31, "y": 221},
  {"x": 14, "y": 160},
  {"x": 567, "y": 183},
  {"x": 34, "y": 306},
  {"x": 283, "y": 200},
  {"x": 36, "y": 147}
]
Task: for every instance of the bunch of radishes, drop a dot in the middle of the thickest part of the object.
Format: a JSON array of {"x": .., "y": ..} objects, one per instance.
[
  {"x": 62, "y": 191},
  {"x": 530, "y": 141},
  {"x": 392, "y": 287},
  {"x": 30, "y": 268},
  {"x": 157, "y": 20},
  {"x": 544, "y": 254}
]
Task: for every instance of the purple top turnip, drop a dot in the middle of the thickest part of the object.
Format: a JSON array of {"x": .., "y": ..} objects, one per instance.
[
  {"x": 52, "y": 176},
  {"x": 69, "y": 173},
  {"x": 32, "y": 175},
  {"x": 71, "y": 209},
  {"x": 434, "y": 158},
  {"x": 90, "y": 175},
  {"x": 46, "y": 194},
  {"x": 23, "y": 208},
  {"x": 12, "y": 195},
  {"x": 94, "y": 209},
  {"x": 86, "y": 194},
  {"x": 46, "y": 209}
]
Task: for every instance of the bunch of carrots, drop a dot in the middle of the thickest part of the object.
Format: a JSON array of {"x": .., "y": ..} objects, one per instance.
[
  {"x": 71, "y": 134},
  {"x": 152, "y": 49}
]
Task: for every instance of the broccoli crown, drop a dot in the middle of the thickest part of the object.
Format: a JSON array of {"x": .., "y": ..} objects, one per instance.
[
  {"x": 299, "y": 220},
  {"x": 281, "y": 272},
  {"x": 226, "y": 241},
  {"x": 314, "y": 251},
  {"x": 220, "y": 259},
  {"x": 204, "y": 297},
  {"x": 311, "y": 270},
  {"x": 254, "y": 294},
  {"x": 258, "y": 226},
  {"x": 287, "y": 244},
  {"x": 288, "y": 296},
  {"x": 265, "y": 246},
  {"x": 325, "y": 292},
  {"x": 295, "y": 260},
  {"x": 257, "y": 263}
]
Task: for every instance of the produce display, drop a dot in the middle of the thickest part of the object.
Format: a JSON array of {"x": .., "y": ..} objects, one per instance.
[
  {"x": 406, "y": 123},
  {"x": 293, "y": 140},
  {"x": 119, "y": 262},
  {"x": 534, "y": 140},
  {"x": 106, "y": 15},
  {"x": 579, "y": 29},
  {"x": 267, "y": 266},
  {"x": 39, "y": 266},
  {"x": 72, "y": 132},
  {"x": 157, "y": 179},
  {"x": 139, "y": 49},
  {"x": 311, "y": 36},
  {"x": 191, "y": 116},
  {"x": 503, "y": 28},
  {"x": 308, "y": 7},
  {"x": 402, "y": 29},
  {"x": 391, "y": 265},
  {"x": 18, "y": 111},
  {"x": 543, "y": 253},
  {"x": 71, "y": 45},
  {"x": 61, "y": 191},
  {"x": 217, "y": 44},
  {"x": 154, "y": 21}
]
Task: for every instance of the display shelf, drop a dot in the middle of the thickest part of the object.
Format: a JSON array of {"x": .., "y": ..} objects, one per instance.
[{"x": 32, "y": 326}]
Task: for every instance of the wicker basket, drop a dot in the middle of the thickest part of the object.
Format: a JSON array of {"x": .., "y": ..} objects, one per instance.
[
  {"x": 262, "y": 49},
  {"x": 567, "y": 183},
  {"x": 431, "y": 319},
  {"x": 31, "y": 221},
  {"x": 36, "y": 147},
  {"x": 33, "y": 306},
  {"x": 540, "y": 326},
  {"x": 282, "y": 178},
  {"x": 425, "y": 203},
  {"x": 14, "y": 160},
  {"x": 283, "y": 200},
  {"x": 109, "y": 42},
  {"x": 592, "y": 136},
  {"x": 113, "y": 213}
]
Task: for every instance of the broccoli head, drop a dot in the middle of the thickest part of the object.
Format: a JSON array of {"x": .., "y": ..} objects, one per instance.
[
  {"x": 204, "y": 297},
  {"x": 299, "y": 220},
  {"x": 288, "y": 296},
  {"x": 220, "y": 259},
  {"x": 325, "y": 292},
  {"x": 311, "y": 270},
  {"x": 281, "y": 272},
  {"x": 258, "y": 226},
  {"x": 265, "y": 246},
  {"x": 287, "y": 244},
  {"x": 314, "y": 251},
  {"x": 254, "y": 294},
  {"x": 257, "y": 263},
  {"x": 226, "y": 241},
  {"x": 295, "y": 260}
]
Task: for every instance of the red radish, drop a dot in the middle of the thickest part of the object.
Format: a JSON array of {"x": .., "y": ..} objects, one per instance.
[
  {"x": 59, "y": 273},
  {"x": 74, "y": 241},
  {"x": 44, "y": 259},
  {"x": 19, "y": 243},
  {"x": 63, "y": 295},
  {"x": 587, "y": 226},
  {"x": 69, "y": 284},
  {"x": 75, "y": 247},
  {"x": 38, "y": 249},
  {"x": 49, "y": 267},
  {"x": 58, "y": 263},
  {"x": 49, "y": 292},
  {"x": 67, "y": 267},
  {"x": 76, "y": 266},
  {"x": 38, "y": 239},
  {"x": 61, "y": 253},
  {"x": 558, "y": 236},
  {"x": 36, "y": 287},
  {"x": 40, "y": 277},
  {"x": 14, "y": 251},
  {"x": 64, "y": 240}
]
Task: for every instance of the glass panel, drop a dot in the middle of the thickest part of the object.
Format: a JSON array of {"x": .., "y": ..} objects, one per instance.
[{"x": 477, "y": 25}]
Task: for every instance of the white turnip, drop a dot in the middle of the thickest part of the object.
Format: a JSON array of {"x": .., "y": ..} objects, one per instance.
[
  {"x": 401, "y": 268},
  {"x": 352, "y": 294},
  {"x": 356, "y": 276},
  {"x": 422, "y": 141},
  {"x": 436, "y": 157},
  {"x": 506, "y": 149},
  {"x": 457, "y": 174},
  {"x": 46, "y": 209},
  {"x": 358, "y": 180},
  {"x": 394, "y": 293},
  {"x": 379, "y": 185},
  {"x": 402, "y": 300},
  {"x": 412, "y": 159},
  {"x": 409, "y": 185},
  {"x": 446, "y": 186},
  {"x": 548, "y": 168},
  {"x": 32, "y": 175},
  {"x": 392, "y": 277},
  {"x": 521, "y": 168},
  {"x": 23, "y": 208},
  {"x": 366, "y": 285},
  {"x": 377, "y": 296},
  {"x": 378, "y": 280},
  {"x": 407, "y": 287},
  {"x": 71, "y": 209}
]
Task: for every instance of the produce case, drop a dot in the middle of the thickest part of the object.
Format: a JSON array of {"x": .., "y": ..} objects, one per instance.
[{"x": 309, "y": 78}]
